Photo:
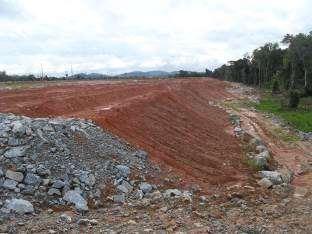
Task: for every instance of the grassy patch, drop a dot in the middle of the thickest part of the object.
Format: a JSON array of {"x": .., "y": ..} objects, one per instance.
[
  {"x": 300, "y": 118},
  {"x": 282, "y": 134},
  {"x": 237, "y": 105},
  {"x": 19, "y": 84}
]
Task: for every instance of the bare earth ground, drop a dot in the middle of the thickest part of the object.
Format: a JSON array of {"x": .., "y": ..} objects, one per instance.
[
  {"x": 174, "y": 121},
  {"x": 171, "y": 119}
]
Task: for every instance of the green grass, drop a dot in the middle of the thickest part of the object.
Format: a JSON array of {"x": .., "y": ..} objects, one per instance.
[
  {"x": 19, "y": 84},
  {"x": 300, "y": 118}
]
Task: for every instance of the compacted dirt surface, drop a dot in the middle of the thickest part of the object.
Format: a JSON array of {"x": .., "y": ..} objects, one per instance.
[
  {"x": 170, "y": 119},
  {"x": 184, "y": 125}
]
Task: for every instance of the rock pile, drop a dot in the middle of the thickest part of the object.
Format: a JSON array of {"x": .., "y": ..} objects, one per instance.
[
  {"x": 63, "y": 162},
  {"x": 259, "y": 157},
  {"x": 306, "y": 136}
]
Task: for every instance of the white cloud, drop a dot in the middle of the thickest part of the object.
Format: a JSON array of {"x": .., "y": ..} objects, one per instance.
[{"x": 122, "y": 35}]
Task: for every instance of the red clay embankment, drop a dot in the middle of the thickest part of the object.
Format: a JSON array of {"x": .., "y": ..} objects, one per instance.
[{"x": 171, "y": 119}]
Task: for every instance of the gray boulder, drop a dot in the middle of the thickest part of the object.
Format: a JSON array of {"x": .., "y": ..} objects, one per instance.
[
  {"x": 237, "y": 130},
  {"x": 28, "y": 190},
  {"x": 19, "y": 206},
  {"x": 274, "y": 176},
  {"x": 14, "y": 141},
  {"x": 172, "y": 193},
  {"x": 121, "y": 198},
  {"x": 54, "y": 191},
  {"x": 141, "y": 154},
  {"x": 87, "y": 178},
  {"x": 58, "y": 184},
  {"x": 65, "y": 218},
  {"x": 42, "y": 171},
  {"x": 287, "y": 175},
  {"x": 3, "y": 133},
  {"x": 13, "y": 175},
  {"x": 261, "y": 148},
  {"x": 139, "y": 194},
  {"x": 264, "y": 154},
  {"x": 260, "y": 162},
  {"x": 265, "y": 182},
  {"x": 9, "y": 184},
  {"x": 123, "y": 170},
  {"x": 125, "y": 187},
  {"x": 74, "y": 197},
  {"x": 15, "y": 152},
  {"x": 18, "y": 128},
  {"x": 254, "y": 142},
  {"x": 146, "y": 187},
  {"x": 32, "y": 179}
]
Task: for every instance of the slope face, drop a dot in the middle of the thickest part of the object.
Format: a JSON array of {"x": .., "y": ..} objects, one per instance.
[{"x": 171, "y": 119}]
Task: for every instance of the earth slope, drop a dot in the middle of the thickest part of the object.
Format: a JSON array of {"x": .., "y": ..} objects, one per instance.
[{"x": 171, "y": 119}]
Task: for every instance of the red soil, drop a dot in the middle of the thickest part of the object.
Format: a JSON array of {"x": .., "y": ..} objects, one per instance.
[{"x": 171, "y": 119}]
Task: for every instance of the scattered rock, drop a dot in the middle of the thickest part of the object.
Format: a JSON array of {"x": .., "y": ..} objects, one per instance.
[
  {"x": 172, "y": 193},
  {"x": 203, "y": 198},
  {"x": 300, "y": 192},
  {"x": 124, "y": 171},
  {"x": 87, "y": 178},
  {"x": 58, "y": 184},
  {"x": 65, "y": 218},
  {"x": 260, "y": 162},
  {"x": 125, "y": 187},
  {"x": 274, "y": 176},
  {"x": 19, "y": 206},
  {"x": 265, "y": 182},
  {"x": 32, "y": 179},
  {"x": 74, "y": 197},
  {"x": 54, "y": 191},
  {"x": 146, "y": 187},
  {"x": 13, "y": 175},
  {"x": 139, "y": 194},
  {"x": 42, "y": 171},
  {"x": 15, "y": 152},
  {"x": 261, "y": 148},
  {"x": 45, "y": 164},
  {"x": 9, "y": 184},
  {"x": 121, "y": 198},
  {"x": 46, "y": 182},
  {"x": 254, "y": 142},
  {"x": 141, "y": 154},
  {"x": 286, "y": 175},
  {"x": 18, "y": 128},
  {"x": 86, "y": 222}
]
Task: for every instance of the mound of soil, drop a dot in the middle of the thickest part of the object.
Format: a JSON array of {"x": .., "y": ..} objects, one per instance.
[{"x": 171, "y": 119}]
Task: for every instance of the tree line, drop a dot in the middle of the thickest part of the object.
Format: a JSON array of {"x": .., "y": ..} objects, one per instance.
[
  {"x": 5, "y": 77},
  {"x": 288, "y": 68}
]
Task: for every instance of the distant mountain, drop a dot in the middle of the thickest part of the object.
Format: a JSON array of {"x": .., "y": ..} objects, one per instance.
[
  {"x": 149, "y": 74},
  {"x": 89, "y": 76}
]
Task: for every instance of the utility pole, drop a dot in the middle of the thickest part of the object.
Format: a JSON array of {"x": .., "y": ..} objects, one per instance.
[
  {"x": 41, "y": 72},
  {"x": 71, "y": 70}
]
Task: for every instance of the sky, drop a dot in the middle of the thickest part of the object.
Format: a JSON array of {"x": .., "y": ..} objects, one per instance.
[{"x": 116, "y": 36}]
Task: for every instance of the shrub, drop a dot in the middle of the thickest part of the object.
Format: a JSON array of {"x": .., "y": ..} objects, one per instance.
[
  {"x": 294, "y": 99},
  {"x": 308, "y": 91},
  {"x": 275, "y": 87}
]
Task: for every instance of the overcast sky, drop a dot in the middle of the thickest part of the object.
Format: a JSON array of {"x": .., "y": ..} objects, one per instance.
[{"x": 114, "y": 36}]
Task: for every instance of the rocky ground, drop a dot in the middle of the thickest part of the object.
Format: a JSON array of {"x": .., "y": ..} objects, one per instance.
[{"x": 71, "y": 176}]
